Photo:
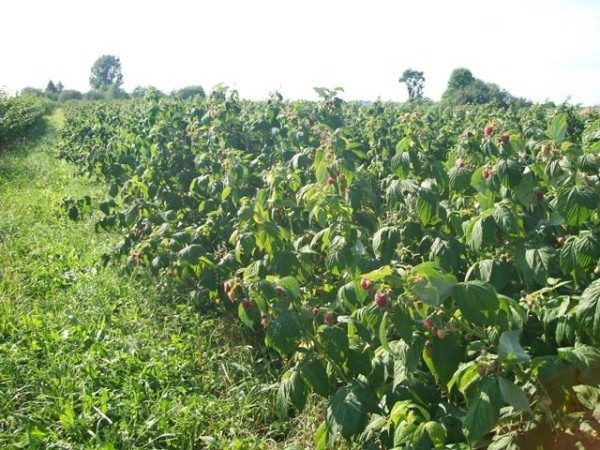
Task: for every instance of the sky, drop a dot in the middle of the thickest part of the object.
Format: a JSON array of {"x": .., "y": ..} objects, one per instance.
[{"x": 538, "y": 49}]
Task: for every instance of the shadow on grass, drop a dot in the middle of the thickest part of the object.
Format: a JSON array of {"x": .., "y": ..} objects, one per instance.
[{"x": 13, "y": 154}]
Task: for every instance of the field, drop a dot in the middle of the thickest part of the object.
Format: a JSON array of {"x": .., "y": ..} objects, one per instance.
[{"x": 221, "y": 273}]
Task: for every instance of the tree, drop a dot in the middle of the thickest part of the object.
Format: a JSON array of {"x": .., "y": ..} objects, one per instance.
[
  {"x": 463, "y": 88},
  {"x": 106, "y": 72},
  {"x": 190, "y": 91},
  {"x": 415, "y": 81},
  {"x": 141, "y": 92},
  {"x": 51, "y": 88},
  {"x": 30, "y": 91},
  {"x": 69, "y": 94},
  {"x": 460, "y": 78},
  {"x": 59, "y": 87}
]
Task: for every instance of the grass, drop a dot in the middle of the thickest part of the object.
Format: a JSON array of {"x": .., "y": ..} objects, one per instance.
[{"x": 93, "y": 357}]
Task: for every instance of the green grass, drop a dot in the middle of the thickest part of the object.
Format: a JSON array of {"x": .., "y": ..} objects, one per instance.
[{"x": 93, "y": 357}]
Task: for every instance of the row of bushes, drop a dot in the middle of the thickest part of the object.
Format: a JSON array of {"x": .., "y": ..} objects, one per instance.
[
  {"x": 18, "y": 115},
  {"x": 111, "y": 93}
]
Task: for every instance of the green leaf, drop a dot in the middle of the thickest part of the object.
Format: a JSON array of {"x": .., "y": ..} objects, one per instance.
[
  {"x": 314, "y": 374},
  {"x": 351, "y": 296},
  {"x": 191, "y": 253},
  {"x": 505, "y": 218},
  {"x": 430, "y": 284},
  {"x": 290, "y": 285},
  {"x": 400, "y": 164},
  {"x": 587, "y": 361},
  {"x": 459, "y": 178},
  {"x": 557, "y": 129},
  {"x": 378, "y": 274},
  {"x": 588, "y": 396},
  {"x": 436, "y": 432},
  {"x": 334, "y": 341},
  {"x": 588, "y": 311},
  {"x": 385, "y": 241},
  {"x": 480, "y": 232},
  {"x": 402, "y": 322},
  {"x": 509, "y": 348},
  {"x": 464, "y": 377},
  {"x": 576, "y": 204},
  {"x": 321, "y": 436},
  {"x": 245, "y": 317},
  {"x": 495, "y": 272},
  {"x": 347, "y": 412},
  {"x": 291, "y": 390},
  {"x": 509, "y": 172},
  {"x": 446, "y": 355},
  {"x": 513, "y": 395},
  {"x": 484, "y": 402},
  {"x": 427, "y": 206},
  {"x": 284, "y": 333},
  {"x": 477, "y": 301},
  {"x": 535, "y": 264}
]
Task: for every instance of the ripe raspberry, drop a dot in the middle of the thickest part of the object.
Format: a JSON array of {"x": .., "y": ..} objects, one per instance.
[
  {"x": 246, "y": 304},
  {"x": 381, "y": 299},
  {"x": 366, "y": 284}
]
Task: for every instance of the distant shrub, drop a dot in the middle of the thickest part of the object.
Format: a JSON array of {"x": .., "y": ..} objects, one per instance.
[
  {"x": 20, "y": 114},
  {"x": 32, "y": 92},
  {"x": 70, "y": 94},
  {"x": 190, "y": 91},
  {"x": 147, "y": 91},
  {"x": 93, "y": 95}
]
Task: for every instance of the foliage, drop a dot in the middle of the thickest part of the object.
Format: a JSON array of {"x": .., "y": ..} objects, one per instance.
[
  {"x": 106, "y": 73},
  {"x": 428, "y": 270},
  {"x": 96, "y": 358},
  {"x": 93, "y": 95},
  {"x": 32, "y": 92},
  {"x": 189, "y": 92},
  {"x": 415, "y": 81},
  {"x": 141, "y": 92},
  {"x": 69, "y": 94},
  {"x": 19, "y": 115},
  {"x": 463, "y": 89}
]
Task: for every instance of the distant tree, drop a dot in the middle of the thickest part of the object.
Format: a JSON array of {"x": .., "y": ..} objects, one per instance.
[
  {"x": 93, "y": 95},
  {"x": 69, "y": 94},
  {"x": 51, "y": 88},
  {"x": 190, "y": 91},
  {"x": 32, "y": 92},
  {"x": 141, "y": 92},
  {"x": 463, "y": 88},
  {"x": 106, "y": 72},
  {"x": 460, "y": 78},
  {"x": 59, "y": 87},
  {"x": 415, "y": 81},
  {"x": 113, "y": 92}
]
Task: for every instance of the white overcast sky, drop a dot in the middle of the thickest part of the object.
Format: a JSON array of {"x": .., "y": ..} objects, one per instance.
[{"x": 539, "y": 49}]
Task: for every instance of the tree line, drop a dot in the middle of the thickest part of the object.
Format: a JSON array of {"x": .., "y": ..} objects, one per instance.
[
  {"x": 463, "y": 89},
  {"x": 106, "y": 80}
]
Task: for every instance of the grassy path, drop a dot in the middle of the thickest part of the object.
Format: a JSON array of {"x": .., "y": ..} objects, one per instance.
[{"x": 93, "y": 358}]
